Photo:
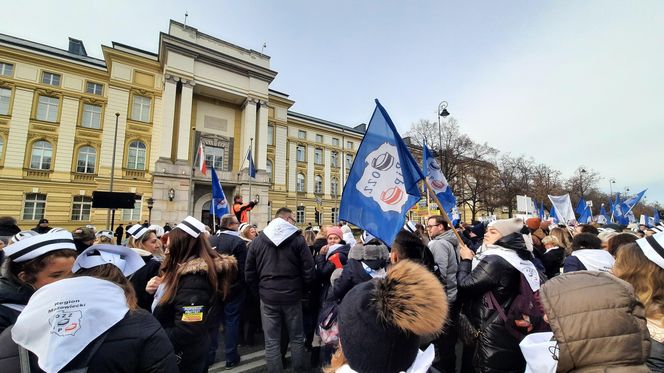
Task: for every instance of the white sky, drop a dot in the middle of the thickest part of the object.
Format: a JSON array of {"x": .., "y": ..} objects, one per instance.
[{"x": 569, "y": 83}]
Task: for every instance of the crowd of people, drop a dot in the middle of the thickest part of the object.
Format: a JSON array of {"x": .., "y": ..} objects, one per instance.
[{"x": 507, "y": 296}]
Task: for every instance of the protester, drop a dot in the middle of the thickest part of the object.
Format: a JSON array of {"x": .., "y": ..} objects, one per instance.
[
  {"x": 382, "y": 321},
  {"x": 8, "y": 228},
  {"x": 554, "y": 257},
  {"x": 642, "y": 265},
  {"x": 84, "y": 237},
  {"x": 537, "y": 235},
  {"x": 248, "y": 232},
  {"x": 145, "y": 243},
  {"x": 309, "y": 238},
  {"x": 279, "y": 267},
  {"x": 564, "y": 239},
  {"x": 597, "y": 323},
  {"x": 587, "y": 255},
  {"x": 241, "y": 209},
  {"x": 605, "y": 236},
  {"x": 30, "y": 264},
  {"x": 104, "y": 237},
  {"x": 494, "y": 273},
  {"x": 119, "y": 234},
  {"x": 408, "y": 246},
  {"x": 348, "y": 236},
  {"x": 187, "y": 297},
  {"x": 365, "y": 261},
  {"x": 618, "y": 240},
  {"x": 42, "y": 226}
]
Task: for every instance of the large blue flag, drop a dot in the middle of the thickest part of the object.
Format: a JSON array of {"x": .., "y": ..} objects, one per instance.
[
  {"x": 604, "y": 217},
  {"x": 655, "y": 216},
  {"x": 437, "y": 180},
  {"x": 252, "y": 167},
  {"x": 540, "y": 211},
  {"x": 618, "y": 214},
  {"x": 586, "y": 215},
  {"x": 581, "y": 206},
  {"x": 382, "y": 184},
  {"x": 219, "y": 204},
  {"x": 552, "y": 214}
]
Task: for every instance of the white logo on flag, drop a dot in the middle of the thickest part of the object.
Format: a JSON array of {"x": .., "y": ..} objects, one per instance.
[
  {"x": 436, "y": 178},
  {"x": 382, "y": 180},
  {"x": 65, "y": 323}
]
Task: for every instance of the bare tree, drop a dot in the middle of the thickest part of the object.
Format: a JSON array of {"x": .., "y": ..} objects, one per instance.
[
  {"x": 581, "y": 183},
  {"x": 513, "y": 178},
  {"x": 545, "y": 181}
]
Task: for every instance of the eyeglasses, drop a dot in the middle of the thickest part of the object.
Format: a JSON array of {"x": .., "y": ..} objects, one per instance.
[
  {"x": 290, "y": 219},
  {"x": 431, "y": 226}
]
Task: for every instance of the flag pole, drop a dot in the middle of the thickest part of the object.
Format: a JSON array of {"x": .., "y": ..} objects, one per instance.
[
  {"x": 442, "y": 211},
  {"x": 214, "y": 208},
  {"x": 190, "y": 204},
  {"x": 251, "y": 145}
]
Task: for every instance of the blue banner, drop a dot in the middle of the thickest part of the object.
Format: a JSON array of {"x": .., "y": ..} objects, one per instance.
[
  {"x": 437, "y": 180},
  {"x": 219, "y": 204}
]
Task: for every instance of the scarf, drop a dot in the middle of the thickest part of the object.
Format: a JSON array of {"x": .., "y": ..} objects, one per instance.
[
  {"x": 595, "y": 259},
  {"x": 526, "y": 267},
  {"x": 279, "y": 230}
]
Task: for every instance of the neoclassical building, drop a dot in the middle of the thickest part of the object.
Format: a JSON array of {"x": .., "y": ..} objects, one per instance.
[{"x": 61, "y": 112}]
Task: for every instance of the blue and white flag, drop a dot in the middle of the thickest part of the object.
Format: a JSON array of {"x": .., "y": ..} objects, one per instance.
[
  {"x": 586, "y": 215},
  {"x": 437, "y": 180},
  {"x": 252, "y": 167},
  {"x": 552, "y": 215},
  {"x": 563, "y": 206},
  {"x": 219, "y": 204},
  {"x": 382, "y": 184},
  {"x": 456, "y": 217},
  {"x": 655, "y": 216},
  {"x": 540, "y": 211},
  {"x": 581, "y": 206},
  {"x": 603, "y": 216}
]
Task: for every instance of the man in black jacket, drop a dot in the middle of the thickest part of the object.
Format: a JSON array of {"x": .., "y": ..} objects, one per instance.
[
  {"x": 119, "y": 233},
  {"x": 227, "y": 241},
  {"x": 280, "y": 267}
]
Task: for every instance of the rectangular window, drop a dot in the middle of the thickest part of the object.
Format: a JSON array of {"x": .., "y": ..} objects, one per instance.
[
  {"x": 335, "y": 141},
  {"x": 335, "y": 215},
  {"x": 214, "y": 157},
  {"x": 51, "y": 79},
  {"x": 349, "y": 144},
  {"x": 133, "y": 214},
  {"x": 47, "y": 108},
  {"x": 301, "y": 153},
  {"x": 300, "y": 215},
  {"x": 91, "y": 116},
  {"x": 301, "y": 134},
  {"x": 94, "y": 88},
  {"x": 81, "y": 207},
  {"x": 349, "y": 161},
  {"x": 34, "y": 206},
  {"x": 334, "y": 186},
  {"x": 5, "y": 99},
  {"x": 6, "y": 69},
  {"x": 140, "y": 109},
  {"x": 334, "y": 159},
  {"x": 318, "y": 156},
  {"x": 270, "y": 135},
  {"x": 319, "y": 138}
]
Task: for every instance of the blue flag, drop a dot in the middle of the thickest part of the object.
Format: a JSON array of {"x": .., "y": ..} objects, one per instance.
[
  {"x": 552, "y": 214},
  {"x": 586, "y": 216},
  {"x": 618, "y": 214},
  {"x": 581, "y": 206},
  {"x": 540, "y": 211},
  {"x": 655, "y": 216},
  {"x": 219, "y": 204},
  {"x": 382, "y": 184},
  {"x": 604, "y": 215},
  {"x": 252, "y": 167},
  {"x": 438, "y": 181}
]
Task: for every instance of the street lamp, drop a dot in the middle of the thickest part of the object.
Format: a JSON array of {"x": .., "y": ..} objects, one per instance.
[
  {"x": 611, "y": 182},
  {"x": 150, "y": 202},
  {"x": 110, "y": 221},
  {"x": 171, "y": 194},
  {"x": 442, "y": 112},
  {"x": 583, "y": 171}
]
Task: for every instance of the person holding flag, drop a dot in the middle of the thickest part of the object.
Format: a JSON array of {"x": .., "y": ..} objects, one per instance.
[{"x": 219, "y": 204}]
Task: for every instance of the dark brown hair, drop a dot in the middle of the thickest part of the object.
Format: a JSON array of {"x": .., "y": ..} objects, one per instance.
[
  {"x": 110, "y": 272},
  {"x": 618, "y": 240},
  {"x": 32, "y": 267}
]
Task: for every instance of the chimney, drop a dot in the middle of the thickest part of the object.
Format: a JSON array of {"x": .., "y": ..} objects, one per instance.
[{"x": 76, "y": 47}]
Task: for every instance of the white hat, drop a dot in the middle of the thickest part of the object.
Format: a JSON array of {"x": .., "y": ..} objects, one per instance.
[
  {"x": 410, "y": 227},
  {"x": 653, "y": 248},
  {"x": 31, "y": 247},
  {"x": 104, "y": 233},
  {"x": 366, "y": 237},
  {"x": 243, "y": 226},
  {"x": 127, "y": 260},
  {"x": 137, "y": 231},
  {"x": 23, "y": 235},
  {"x": 157, "y": 229},
  {"x": 192, "y": 226}
]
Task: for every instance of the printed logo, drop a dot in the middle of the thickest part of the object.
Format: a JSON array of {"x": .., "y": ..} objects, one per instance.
[
  {"x": 221, "y": 203},
  {"x": 382, "y": 179},
  {"x": 192, "y": 313},
  {"x": 65, "y": 323},
  {"x": 436, "y": 177}
]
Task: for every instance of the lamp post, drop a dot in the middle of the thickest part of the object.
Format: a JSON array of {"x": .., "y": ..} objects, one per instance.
[
  {"x": 171, "y": 194},
  {"x": 150, "y": 202},
  {"x": 583, "y": 171},
  {"x": 611, "y": 182},
  {"x": 442, "y": 112},
  {"x": 111, "y": 220}
]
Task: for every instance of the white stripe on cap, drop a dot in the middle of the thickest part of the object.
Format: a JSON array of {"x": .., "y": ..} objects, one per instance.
[
  {"x": 653, "y": 248},
  {"x": 32, "y": 247},
  {"x": 137, "y": 231},
  {"x": 192, "y": 226},
  {"x": 107, "y": 234}
]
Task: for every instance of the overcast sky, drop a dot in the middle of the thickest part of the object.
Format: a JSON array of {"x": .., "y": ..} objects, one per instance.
[{"x": 568, "y": 83}]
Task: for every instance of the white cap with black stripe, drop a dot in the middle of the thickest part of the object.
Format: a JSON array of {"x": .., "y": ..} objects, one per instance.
[
  {"x": 653, "y": 248},
  {"x": 137, "y": 231},
  {"x": 127, "y": 260},
  {"x": 192, "y": 226},
  {"x": 32, "y": 247}
]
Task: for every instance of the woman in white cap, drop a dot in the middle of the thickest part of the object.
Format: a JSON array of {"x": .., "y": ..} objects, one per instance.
[
  {"x": 247, "y": 232},
  {"x": 145, "y": 243},
  {"x": 104, "y": 237},
  {"x": 90, "y": 322},
  {"x": 32, "y": 261},
  {"x": 642, "y": 265},
  {"x": 195, "y": 280}
]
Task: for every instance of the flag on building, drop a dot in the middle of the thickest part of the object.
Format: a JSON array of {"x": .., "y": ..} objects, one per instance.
[
  {"x": 252, "y": 167},
  {"x": 382, "y": 184},
  {"x": 564, "y": 210},
  {"x": 437, "y": 180},
  {"x": 201, "y": 159},
  {"x": 219, "y": 204}
]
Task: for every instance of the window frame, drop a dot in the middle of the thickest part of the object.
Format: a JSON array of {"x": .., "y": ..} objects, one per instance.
[
  {"x": 301, "y": 134},
  {"x": 87, "y": 165},
  {"x": 269, "y": 169},
  {"x": 129, "y": 155},
  {"x": 128, "y": 214},
  {"x": 300, "y": 210},
  {"x": 215, "y": 157},
  {"x": 335, "y": 141},
  {"x": 35, "y": 202},
  {"x": 319, "y": 156},
  {"x": 320, "y": 138},
  {"x": 78, "y": 208},
  {"x": 270, "y": 136},
  {"x": 133, "y": 114},
  {"x": 334, "y": 187},
  {"x": 42, "y": 156},
  {"x": 52, "y": 75},
  {"x": 300, "y": 187},
  {"x": 318, "y": 184},
  {"x": 304, "y": 153},
  {"x": 94, "y": 91},
  {"x": 56, "y": 119},
  {"x": 84, "y": 114},
  {"x": 3, "y": 68},
  {"x": 9, "y": 100}
]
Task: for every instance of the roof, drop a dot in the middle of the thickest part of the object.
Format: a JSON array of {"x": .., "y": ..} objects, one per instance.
[
  {"x": 324, "y": 122},
  {"x": 56, "y": 52}
]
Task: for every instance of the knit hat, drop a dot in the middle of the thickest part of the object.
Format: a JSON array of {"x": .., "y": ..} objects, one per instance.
[
  {"x": 32, "y": 247},
  {"x": 381, "y": 321},
  {"x": 84, "y": 234},
  {"x": 507, "y": 226},
  {"x": 8, "y": 227},
  {"x": 652, "y": 247},
  {"x": 336, "y": 231},
  {"x": 533, "y": 223},
  {"x": 368, "y": 252}
]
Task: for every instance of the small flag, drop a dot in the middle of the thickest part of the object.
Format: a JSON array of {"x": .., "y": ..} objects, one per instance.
[
  {"x": 252, "y": 167},
  {"x": 219, "y": 204},
  {"x": 201, "y": 159},
  {"x": 382, "y": 184},
  {"x": 540, "y": 212},
  {"x": 603, "y": 216},
  {"x": 581, "y": 206},
  {"x": 655, "y": 217},
  {"x": 437, "y": 180}
]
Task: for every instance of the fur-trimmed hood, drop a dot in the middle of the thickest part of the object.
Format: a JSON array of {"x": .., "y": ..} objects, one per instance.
[{"x": 224, "y": 263}]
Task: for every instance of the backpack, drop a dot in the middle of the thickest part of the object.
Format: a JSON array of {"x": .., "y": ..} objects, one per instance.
[{"x": 526, "y": 305}]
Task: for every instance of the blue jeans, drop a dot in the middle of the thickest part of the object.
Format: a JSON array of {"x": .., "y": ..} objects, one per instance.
[
  {"x": 232, "y": 328},
  {"x": 273, "y": 317}
]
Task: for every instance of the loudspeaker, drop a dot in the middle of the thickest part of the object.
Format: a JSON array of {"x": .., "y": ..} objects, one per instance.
[{"x": 113, "y": 200}]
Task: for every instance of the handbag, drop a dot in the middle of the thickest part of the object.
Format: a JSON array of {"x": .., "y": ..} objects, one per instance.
[{"x": 328, "y": 328}]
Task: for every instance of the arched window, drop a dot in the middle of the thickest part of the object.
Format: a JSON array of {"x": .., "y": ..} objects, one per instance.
[
  {"x": 334, "y": 187},
  {"x": 136, "y": 158},
  {"x": 268, "y": 169},
  {"x": 40, "y": 158},
  {"x": 87, "y": 158},
  {"x": 318, "y": 184},
  {"x": 300, "y": 183}
]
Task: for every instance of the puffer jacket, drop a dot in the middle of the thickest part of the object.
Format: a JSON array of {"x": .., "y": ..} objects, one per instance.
[
  {"x": 12, "y": 295},
  {"x": 187, "y": 317},
  {"x": 137, "y": 343},
  {"x": 496, "y": 350},
  {"x": 444, "y": 249},
  {"x": 354, "y": 273},
  {"x": 598, "y": 323}
]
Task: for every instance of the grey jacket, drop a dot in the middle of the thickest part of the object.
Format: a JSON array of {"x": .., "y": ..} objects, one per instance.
[{"x": 444, "y": 248}]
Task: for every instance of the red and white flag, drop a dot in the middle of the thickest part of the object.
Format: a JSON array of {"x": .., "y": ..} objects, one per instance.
[{"x": 201, "y": 159}]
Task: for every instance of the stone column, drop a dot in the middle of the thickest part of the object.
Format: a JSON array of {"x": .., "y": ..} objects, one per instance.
[
  {"x": 248, "y": 129},
  {"x": 261, "y": 140},
  {"x": 184, "y": 152},
  {"x": 18, "y": 130},
  {"x": 168, "y": 116}
]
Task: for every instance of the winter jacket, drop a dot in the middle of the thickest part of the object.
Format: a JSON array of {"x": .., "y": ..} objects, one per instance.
[
  {"x": 353, "y": 274},
  {"x": 318, "y": 244},
  {"x": 598, "y": 323},
  {"x": 279, "y": 273},
  {"x": 189, "y": 315},
  {"x": 140, "y": 278},
  {"x": 240, "y": 211},
  {"x": 325, "y": 266},
  {"x": 596, "y": 260},
  {"x": 137, "y": 343},
  {"x": 12, "y": 296},
  {"x": 496, "y": 350},
  {"x": 231, "y": 244},
  {"x": 444, "y": 250},
  {"x": 573, "y": 264},
  {"x": 553, "y": 259},
  {"x": 656, "y": 360}
]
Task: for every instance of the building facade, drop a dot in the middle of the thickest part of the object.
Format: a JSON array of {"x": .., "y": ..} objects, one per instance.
[{"x": 61, "y": 112}]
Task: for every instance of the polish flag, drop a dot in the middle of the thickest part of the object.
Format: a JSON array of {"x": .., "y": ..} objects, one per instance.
[{"x": 201, "y": 159}]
